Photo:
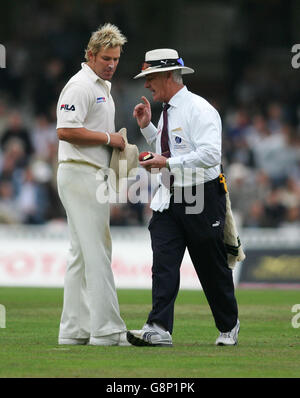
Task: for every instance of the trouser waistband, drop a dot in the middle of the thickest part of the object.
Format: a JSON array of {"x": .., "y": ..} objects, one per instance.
[
  {"x": 82, "y": 162},
  {"x": 208, "y": 183}
]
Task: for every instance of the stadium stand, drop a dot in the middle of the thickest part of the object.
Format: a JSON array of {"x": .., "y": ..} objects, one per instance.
[{"x": 256, "y": 92}]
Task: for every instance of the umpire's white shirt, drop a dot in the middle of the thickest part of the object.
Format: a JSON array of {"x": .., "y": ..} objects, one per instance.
[
  {"x": 86, "y": 101},
  {"x": 195, "y": 140}
]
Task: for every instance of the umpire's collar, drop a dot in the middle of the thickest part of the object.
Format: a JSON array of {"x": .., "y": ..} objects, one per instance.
[{"x": 178, "y": 97}]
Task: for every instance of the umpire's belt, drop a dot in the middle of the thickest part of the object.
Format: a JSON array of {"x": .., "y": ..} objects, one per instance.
[{"x": 208, "y": 183}]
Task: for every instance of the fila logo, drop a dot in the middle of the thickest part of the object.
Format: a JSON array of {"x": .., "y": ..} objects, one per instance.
[{"x": 67, "y": 107}]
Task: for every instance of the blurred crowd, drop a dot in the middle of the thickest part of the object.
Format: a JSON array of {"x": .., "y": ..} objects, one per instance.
[
  {"x": 262, "y": 155},
  {"x": 261, "y": 160},
  {"x": 28, "y": 154},
  {"x": 261, "y": 129}
]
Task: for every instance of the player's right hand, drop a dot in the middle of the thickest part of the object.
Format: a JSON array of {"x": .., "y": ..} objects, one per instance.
[
  {"x": 117, "y": 141},
  {"x": 142, "y": 113}
]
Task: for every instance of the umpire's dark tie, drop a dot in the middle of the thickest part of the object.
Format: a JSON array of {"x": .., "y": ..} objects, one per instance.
[
  {"x": 164, "y": 143},
  {"x": 166, "y": 178}
]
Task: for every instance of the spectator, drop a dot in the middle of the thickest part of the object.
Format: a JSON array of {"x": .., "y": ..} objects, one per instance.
[
  {"x": 254, "y": 218},
  {"x": 44, "y": 138},
  {"x": 274, "y": 116},
  {"x": 246, "y": 187},
  {"x": 48, "y": 85},
  {"x": 274, "y": 210},
  {"x": 271, "y": 151},
  {"x": 31, "y": 199},
  {"x": 16, "y": 129},
  {"x": 3, "y": 117},
  {"x": 292, "y": 218},
  {"x": 13, "y": 159},
  {"x": 9, "y": 210},
  {"x": 290, "y": 193}
]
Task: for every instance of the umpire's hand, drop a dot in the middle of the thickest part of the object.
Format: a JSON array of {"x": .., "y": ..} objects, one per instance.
[
  {"x": 157, "y": 162},
  {"x": 142, "y": 113}
]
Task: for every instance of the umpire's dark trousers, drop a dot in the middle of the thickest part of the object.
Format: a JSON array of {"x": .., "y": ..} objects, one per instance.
[{"x": 172, "y": 231}]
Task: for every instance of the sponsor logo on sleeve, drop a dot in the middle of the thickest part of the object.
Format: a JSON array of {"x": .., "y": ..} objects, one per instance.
[{"x": 67, "y": 107}]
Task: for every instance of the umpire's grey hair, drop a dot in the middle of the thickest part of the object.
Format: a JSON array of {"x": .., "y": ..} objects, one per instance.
[
  {"x": 177, "y": 76},
  {"x": 107, "y": 36}
]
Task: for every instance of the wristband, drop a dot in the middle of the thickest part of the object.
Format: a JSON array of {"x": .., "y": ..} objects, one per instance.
[{"x": 108, "y": 138}]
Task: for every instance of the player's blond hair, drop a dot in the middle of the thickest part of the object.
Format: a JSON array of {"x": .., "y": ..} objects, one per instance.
[{"x": 107, "y": 36}]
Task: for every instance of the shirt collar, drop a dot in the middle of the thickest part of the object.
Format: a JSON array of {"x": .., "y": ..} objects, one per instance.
[
  {"x": 178, "y": 97},
  {"x": 92, "y": 75}
]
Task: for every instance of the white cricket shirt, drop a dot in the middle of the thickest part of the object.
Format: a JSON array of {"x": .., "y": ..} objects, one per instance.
[
  {"x": 85, "y": 101},
  {"x": 195, "y": 137}
]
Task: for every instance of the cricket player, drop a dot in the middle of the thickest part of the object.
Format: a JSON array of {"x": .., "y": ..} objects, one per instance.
[{"x": 86, "y": 132}]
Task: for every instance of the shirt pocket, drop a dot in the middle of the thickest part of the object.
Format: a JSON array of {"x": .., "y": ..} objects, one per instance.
[{"x": 180, "y": 143}]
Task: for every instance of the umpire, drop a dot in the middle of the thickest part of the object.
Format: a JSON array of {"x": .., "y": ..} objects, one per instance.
[{"x": 188, "y": 137}]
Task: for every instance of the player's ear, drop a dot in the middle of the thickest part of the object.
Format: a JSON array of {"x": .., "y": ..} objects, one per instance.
[{"x": 91, "y": 56}]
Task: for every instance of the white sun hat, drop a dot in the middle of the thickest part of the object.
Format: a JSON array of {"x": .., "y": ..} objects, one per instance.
[
  {"x": 162, "y": 60},
  {"x": 123, "y": 163}
]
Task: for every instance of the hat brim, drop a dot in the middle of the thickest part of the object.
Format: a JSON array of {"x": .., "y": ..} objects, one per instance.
[{"x": 155, "y": 69}]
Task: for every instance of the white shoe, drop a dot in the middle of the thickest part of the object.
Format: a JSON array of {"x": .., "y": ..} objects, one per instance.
[
  {"x": 229, "y": 338},
  {"x": 118, "y": 339},
  {"x": 73, "y": 341},
  {"x": 150, "y": 335}
]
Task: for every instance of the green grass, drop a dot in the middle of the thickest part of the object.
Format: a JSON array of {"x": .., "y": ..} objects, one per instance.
[{"x": 268, "y": 344}]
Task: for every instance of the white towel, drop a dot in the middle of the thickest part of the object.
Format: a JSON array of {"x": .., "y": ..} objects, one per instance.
[
  {"x": 161, "y": 199},
  {"x": 235, "y": 252}
]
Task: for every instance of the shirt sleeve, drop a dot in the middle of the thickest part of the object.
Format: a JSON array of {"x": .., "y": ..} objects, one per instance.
[
  {"x": 150, "y": 133},
  {"x": 206, "y": 136},
  {"x": 72, "y": 107}
]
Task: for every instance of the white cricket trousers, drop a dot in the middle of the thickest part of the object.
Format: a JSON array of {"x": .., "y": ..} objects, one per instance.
[{"x": 90, "y": 306}]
